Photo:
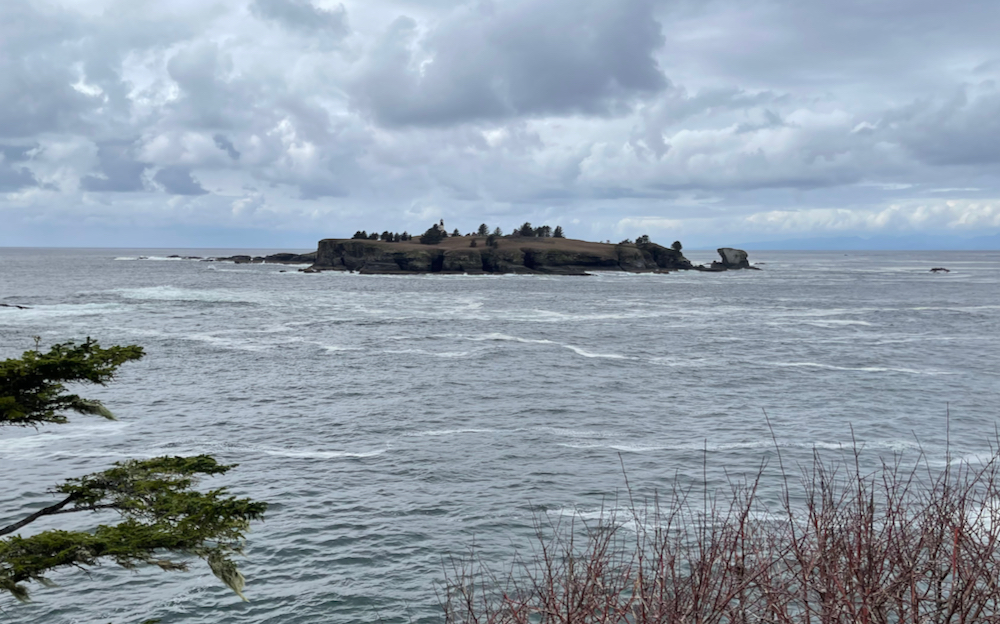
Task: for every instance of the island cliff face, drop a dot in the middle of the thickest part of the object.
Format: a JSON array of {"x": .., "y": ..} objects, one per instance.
[{"x": 554, "y": 256}]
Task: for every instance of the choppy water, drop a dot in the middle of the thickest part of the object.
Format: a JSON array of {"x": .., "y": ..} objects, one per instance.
[{"x": 394, "y": 421}]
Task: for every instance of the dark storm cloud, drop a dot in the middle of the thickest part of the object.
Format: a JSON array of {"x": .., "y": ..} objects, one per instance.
[
  {"x": 502, "y": 60},
  {"x": 120, "y": 172},
  {"x": 226, "y": 145},
  {"x": 179, "y": 181},
  {"x": 302, "y": 15}
]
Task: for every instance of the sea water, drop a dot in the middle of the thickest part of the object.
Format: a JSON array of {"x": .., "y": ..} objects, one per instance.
[{"x": 393, "y": 423}]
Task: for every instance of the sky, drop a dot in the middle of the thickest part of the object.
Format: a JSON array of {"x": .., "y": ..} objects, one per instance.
[{"x": 274, "y": 123}]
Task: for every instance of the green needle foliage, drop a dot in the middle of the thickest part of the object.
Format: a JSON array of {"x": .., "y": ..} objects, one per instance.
[
  {"x": 32, "y": 390},
  {"x": 161, "y": 514}
]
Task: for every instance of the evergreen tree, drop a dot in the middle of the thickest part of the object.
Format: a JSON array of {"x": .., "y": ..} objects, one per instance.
[
  {"x": 527, "y": 230},
  {"x": 484, "y": 230},
  {"x": 677, "y": 246},
  {"x": 558, "y": 233},
  {"x": 642, "y": 240},
  {"x": 373, "y": 236},
  {"x": 456, "y": 233},
  {"x": 543, "y": 231},
  {"x": 360, "y": 234},
  {"x": 405, "y": 236},
  {"x": 498, "y": 232},
  {"x": 473, "y": 243},
  {"x": 491, "y": 240},
  {"x": 432, "y": 236},
  {"x": 160, "y": 510}
]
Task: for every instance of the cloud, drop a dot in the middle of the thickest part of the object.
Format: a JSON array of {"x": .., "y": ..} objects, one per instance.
[
  {"x": 304, "y": 16},
  {"x": 701, "y": 117},
  {"x": 963, "y": 129},
  {"x": 119, "y": 171},
  {"x": 497, "y": 60},
  {"x": 178, "y": 181},
  {"x": 226, "y": 145}
]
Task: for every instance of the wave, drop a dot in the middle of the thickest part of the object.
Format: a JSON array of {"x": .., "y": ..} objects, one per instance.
[
  {"x": 36, "y": 312},
  {"x": 311, "y": 454},
  {"x": 864, "y": 369},
  {"x": 172, "y": 293},
  {"x": 763, "y": 443},
  {"x": 450, "y": 432},
  {"x": 498, "y": 337}
]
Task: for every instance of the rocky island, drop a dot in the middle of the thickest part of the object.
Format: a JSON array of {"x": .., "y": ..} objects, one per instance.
[{"x": 477, "y": 254}]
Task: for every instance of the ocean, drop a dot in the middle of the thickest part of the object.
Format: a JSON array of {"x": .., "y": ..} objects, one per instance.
[{"x": 395, "y": 423}]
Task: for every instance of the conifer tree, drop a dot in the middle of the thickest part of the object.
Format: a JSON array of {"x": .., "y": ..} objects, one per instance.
[{"x": 161, "y": 512}]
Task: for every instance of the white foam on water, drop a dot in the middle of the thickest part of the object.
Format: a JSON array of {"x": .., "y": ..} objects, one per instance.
[
  {"x": 125, "y": 258},
  {"x": 835, "y": 322},
  {"x": 495, "y": 336},
  {"x": 311, "y": 454},
  {"x": 172, "y": 293},
  {"x": 34, "y": 313},
  {"x": 452, "y": 354},
  {"x": 451, "y": 432},
  {"x": 864, "y": 369},
  {"x": 338, "y": 348},
  {"x": 572, "y": 433},
  {"x": 587, "y": 354},
  {"x": 504, "y": 337},
  {"x": 16, "y": 445}
]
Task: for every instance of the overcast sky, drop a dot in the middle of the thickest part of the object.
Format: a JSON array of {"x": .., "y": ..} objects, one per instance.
[{"x": 279, "y": 122}]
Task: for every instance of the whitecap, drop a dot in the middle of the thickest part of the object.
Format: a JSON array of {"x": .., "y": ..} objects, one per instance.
[
  {"x": 311, "y": 454},
  {"x": 864, "y": 369},
  {"x": 450, "y": 432},
  {"x": 587, "y": 354}
]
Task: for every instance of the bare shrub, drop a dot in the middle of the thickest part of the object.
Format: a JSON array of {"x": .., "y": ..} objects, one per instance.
[{"x": 897, "y": 544}]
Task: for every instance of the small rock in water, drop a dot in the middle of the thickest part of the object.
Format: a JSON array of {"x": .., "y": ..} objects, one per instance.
[{"x": 940, "y": 270}]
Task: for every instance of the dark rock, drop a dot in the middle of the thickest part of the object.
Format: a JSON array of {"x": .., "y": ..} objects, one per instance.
[
  {"x": 511, "y": 255},
  {"x": 13, "y": 305},
  {"x": 732, "y": 259},
  {"x": 940, "y": 270}
]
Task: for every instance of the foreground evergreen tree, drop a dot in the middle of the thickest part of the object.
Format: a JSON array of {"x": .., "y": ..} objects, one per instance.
[
  {"x": 558, "y": 233},
  {"x": 161, "y": 513}
]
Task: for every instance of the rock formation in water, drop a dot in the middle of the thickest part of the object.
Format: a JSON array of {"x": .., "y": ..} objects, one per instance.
[
  {"x": 553, "y": 256},
  {"x": 278, "y": 258},
  {"x": 731, "y": 259}
]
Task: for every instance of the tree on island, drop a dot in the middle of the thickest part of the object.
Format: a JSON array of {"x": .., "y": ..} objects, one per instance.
[
  {"x": 483, "y": 230},
  {"x": 161, "y": 513},
  {"x": 526, "y": 230},
  {"x": 498, "y": 232},
  {"x": 642, "y": 240},
  {"x": 558, "y": 233},
  {"x": 433, "y": 236},
  {"x": 676, "y": 246},
  {"x": 360, "y": 235},
  {"x": 543, "y": 231}
]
